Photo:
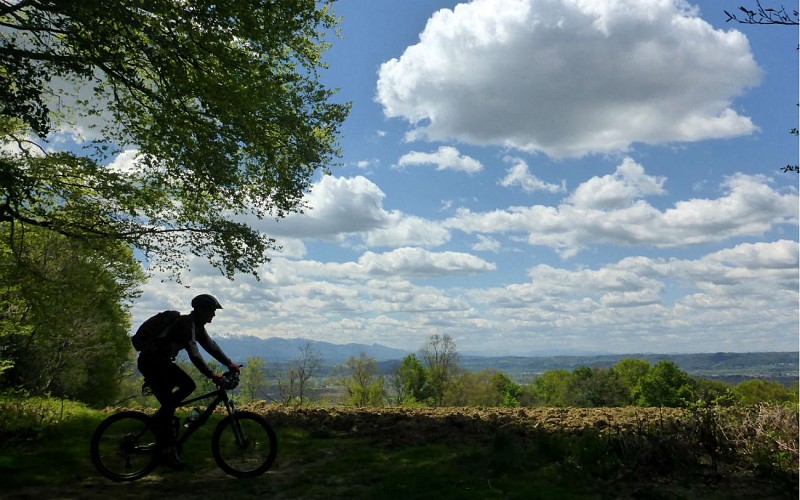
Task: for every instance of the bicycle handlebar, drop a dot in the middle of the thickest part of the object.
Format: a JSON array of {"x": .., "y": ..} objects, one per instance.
[{"x": 230, "y": 380}]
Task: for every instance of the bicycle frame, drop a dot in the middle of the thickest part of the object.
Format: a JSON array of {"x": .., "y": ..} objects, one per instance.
[{"x": 220, "y": 396}]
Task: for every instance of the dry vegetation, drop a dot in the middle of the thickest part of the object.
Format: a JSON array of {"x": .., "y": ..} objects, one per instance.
[
  {"x": 761, "y": 440},
  {"x": 404, "y": 426}
]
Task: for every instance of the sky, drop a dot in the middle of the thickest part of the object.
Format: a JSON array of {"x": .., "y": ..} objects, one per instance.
[{"x": 538, "y": 177}]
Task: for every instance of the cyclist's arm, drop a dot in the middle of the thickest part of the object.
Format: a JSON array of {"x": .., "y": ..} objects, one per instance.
[
  {"x": 212, "y": 348},
  {"x": 197, "y": 359}
]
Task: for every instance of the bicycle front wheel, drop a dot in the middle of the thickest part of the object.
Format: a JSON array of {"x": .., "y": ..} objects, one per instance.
[
  {"x": 244, "y": 444},
  {"x": 123, "y": 447}
]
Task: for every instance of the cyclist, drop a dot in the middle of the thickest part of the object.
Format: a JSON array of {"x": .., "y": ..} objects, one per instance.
[{"x": 169, "y": 383}]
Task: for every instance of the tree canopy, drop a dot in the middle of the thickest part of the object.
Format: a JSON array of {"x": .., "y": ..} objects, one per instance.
[
  {"x": 218, "y": 105},
  {"x": 63, "y": 314}
]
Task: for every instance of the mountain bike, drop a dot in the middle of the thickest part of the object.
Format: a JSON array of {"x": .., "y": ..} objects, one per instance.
[{"x": 124, "y": 447}]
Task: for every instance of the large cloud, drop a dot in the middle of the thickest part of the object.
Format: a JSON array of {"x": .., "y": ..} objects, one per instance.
[
  {"x": 570, "y": 77},
  {"x": 338, "y": 207}
]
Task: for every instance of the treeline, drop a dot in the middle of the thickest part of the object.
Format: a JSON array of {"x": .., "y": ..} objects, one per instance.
[
  {"x": 434, "y": 377},
  {"x": 64, "y": 315}
]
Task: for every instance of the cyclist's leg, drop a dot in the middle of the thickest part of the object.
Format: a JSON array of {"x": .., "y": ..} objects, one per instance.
[{"x": 164, "y": 376}]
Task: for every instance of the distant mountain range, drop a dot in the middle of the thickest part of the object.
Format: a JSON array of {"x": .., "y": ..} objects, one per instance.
[
  {"x": 277, "y": 349},
  {"x": 774, "y": 365}
]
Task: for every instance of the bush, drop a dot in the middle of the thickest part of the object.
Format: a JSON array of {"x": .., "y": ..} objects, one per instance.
[{"x": 24, "y": 418}]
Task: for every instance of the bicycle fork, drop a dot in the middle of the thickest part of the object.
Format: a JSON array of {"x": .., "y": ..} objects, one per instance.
[{"x": 241, "y": 439}]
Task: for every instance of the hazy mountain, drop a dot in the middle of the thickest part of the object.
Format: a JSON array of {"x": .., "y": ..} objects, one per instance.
[
  {"x": 774, "y": 365},
  {"x": 277, "y": 349}
]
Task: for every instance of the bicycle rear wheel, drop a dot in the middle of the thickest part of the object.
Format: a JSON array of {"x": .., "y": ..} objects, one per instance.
[
  {"x": 123, "y": 447},
  {"x": 244, "y": 444}
]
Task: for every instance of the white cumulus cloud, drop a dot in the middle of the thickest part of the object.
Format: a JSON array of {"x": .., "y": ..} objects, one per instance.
[
  {"x": 445, "y": 158},
  {"x": 570, "y": 77},
  {"x": 612, "y": 209},
  {"x": 518, "y": 175}
]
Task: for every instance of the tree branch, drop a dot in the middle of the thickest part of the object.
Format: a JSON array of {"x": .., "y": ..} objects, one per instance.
[{"x": 764, "y": 16}]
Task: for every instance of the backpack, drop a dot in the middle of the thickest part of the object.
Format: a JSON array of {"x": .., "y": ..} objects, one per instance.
[{"x": 152, "y": 328}]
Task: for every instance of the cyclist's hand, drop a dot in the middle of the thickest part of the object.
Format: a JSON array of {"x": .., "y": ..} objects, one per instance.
[
  {"x": 234, "y": 368},
  {"x": 217, "y": 378}
]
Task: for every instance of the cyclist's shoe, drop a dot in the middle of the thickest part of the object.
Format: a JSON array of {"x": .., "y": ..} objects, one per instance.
[{"x": 170, "y": 458}]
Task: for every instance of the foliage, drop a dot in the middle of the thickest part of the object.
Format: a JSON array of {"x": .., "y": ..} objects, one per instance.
[
  {"x": 630, "y": 372},
  {"x": 755, "y": 391},
  {"x": 552, "y": 388},
  {"x": 595, "y": 387},
  {"x": 485, "y": 388},
  {"x": 410, "y": 382},
  {"x": 24, "y": 417},
  {"x": 635, "y": 382},
  {"x": 64, "y": 316},
  {"x": 253, "y": 379},
  {"x": 664, "y": 385},
  {"x": 713, "y": 392},
  {"x": 441, "y": 362},
  {"x": 363, "y": 383},
  {"x": 219, "y": 105},
  {"x": 506, "y": 390},
  {"x": 767, "y": 436}
]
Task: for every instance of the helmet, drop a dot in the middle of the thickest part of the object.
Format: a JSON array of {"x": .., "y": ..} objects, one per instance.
[{"x": 206, "y": 302}]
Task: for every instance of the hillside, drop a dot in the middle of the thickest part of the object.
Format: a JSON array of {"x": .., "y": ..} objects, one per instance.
[
  {"x": 458, "y": 453},
  {"x": 733, "y": 367}
]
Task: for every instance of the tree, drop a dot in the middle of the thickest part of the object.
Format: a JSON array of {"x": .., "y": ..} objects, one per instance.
[
  {"x": 507, "y": 392},
  {"x": 410, "y": 382},
  {"x": 596, "y": 387},
  {"x": 287, "y": 385},
  {"x": 551, "y": 388},
  {"x": 64, "y": 317},
  {"x": 293, "y": 384},
  {"x": 629, "y": 372},
  {"x": 360, "y": 378},
  {"x": 441, "y": 361},
  {"x": 253, "y": 385},
  {"x": 466, "y": 388},
  {"x": 755, "y": 391},
  {"x": 665, "y": 385},
  {"x": 307, "y": 367},
  {"x": 219, "y": 104},
  {"x": 714, "y": 392}
]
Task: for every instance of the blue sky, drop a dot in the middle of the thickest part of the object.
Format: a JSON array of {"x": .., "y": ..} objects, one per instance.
[{"x": 541, "y": 176}]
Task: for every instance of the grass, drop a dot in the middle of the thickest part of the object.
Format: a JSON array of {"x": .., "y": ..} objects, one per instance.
[
  {"x": 44, "y": 446},
  {"x": 40, "y": 436},
  {"x": 326, "y": 467},
  {"x": 357, "y": 469}
]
